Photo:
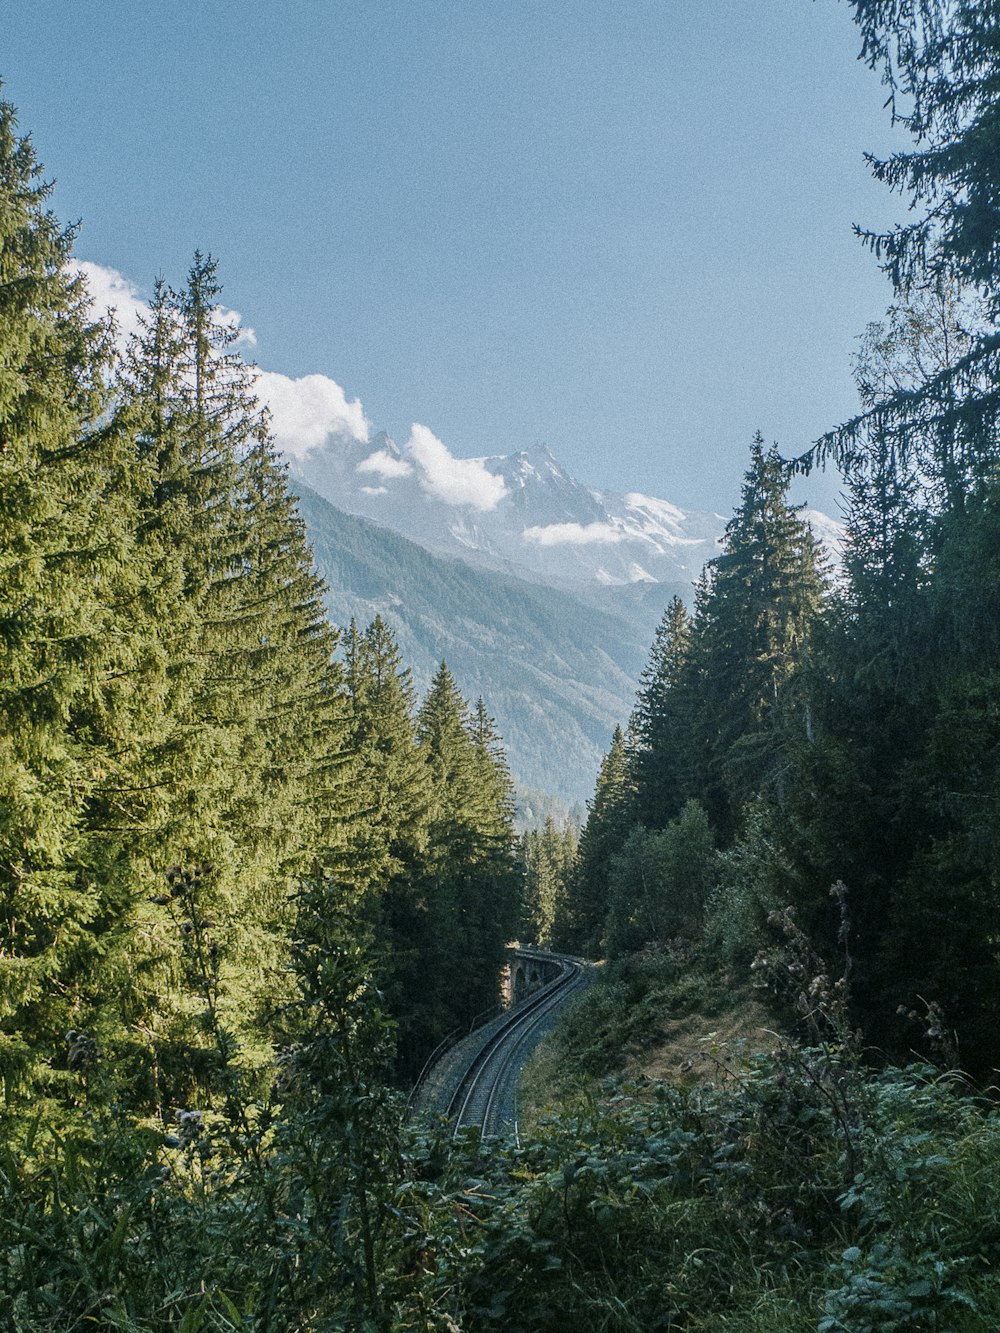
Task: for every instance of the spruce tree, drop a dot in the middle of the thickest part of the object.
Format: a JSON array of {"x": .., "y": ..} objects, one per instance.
[
  {"x": 754, "y": 617},
  {"x": 469, "y": 878},
  {"x": 945, "y": 894},
  {"x": 940, "y": 63},
  {"x": 239, "y": 777},
  {"x": 65, "y": 565},
  {"x": 546, "y": 856},
  {"x": 386, "y": 830},
  {"x": 495, "y": 823},
  {"x": 609, "y": 821},
  {"x": 294, "y": 741},
  {"x": 660, "y": 754},
  {"x": 659, "y": 884},
  {"x": 938, "y": 427}
]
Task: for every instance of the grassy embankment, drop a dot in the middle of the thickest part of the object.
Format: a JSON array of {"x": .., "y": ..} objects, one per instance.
[
  {"x": 652, "y": 1016},
  {"x": 686, "y": 1165}
]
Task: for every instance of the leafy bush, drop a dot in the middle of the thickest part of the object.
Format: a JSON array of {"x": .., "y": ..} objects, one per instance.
[
  {"x": 660, "y": 882},
  {"x": 801, "y": 1195},
  {"x": 801, "y": 1192}
]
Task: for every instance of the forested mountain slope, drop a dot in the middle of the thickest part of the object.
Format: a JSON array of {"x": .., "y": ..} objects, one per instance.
[{"x": 558, "y": 675}]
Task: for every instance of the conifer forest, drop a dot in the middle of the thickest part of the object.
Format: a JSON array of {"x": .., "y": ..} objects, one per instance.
[{"x": 251, "y": 878}]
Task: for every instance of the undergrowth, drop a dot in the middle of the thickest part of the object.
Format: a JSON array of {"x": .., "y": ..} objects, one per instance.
[
  {"x": 802, "y": 1193},
  {"x": 799, "y": 1194},
  {"x": 623, "y": 1018},
  {"x": 797, "y": 1189}
]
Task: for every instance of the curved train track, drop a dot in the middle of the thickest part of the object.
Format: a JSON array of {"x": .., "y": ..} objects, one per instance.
[{"x": 485, "y": 1095}]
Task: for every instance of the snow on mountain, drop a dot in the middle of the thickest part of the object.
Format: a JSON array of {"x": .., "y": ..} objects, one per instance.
[
  {"x": 520, "y": 513},
  {"x": 828, "y": 532}
]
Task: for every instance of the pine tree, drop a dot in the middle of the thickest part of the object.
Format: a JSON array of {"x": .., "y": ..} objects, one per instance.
[
  {"x": 294, "y": 743},
  {"x": 940, "y": 63},
  {"x": 754, "y": 616},
  {"x": 547, "y": 856},
  {"x": 469, "y": 878},
  {"x": 495, "y": 821},
  {"x": 904, "y": 678},
  {"x": 932, "y": 433},
  {"x": 660, "y": 758},
  {"x": 945, "y": 890},
  {"x": 384, "y": 857},
  {"x": 609, "y": 822},
  {"x": 239, "y": 774},
  {"x": 659, "y": 884},
  {"x": 390, "y": 826},
  {"x": 65, "y": 563}
]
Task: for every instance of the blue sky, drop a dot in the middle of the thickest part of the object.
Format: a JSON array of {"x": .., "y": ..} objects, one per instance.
[{"x": 623, "y": 229}]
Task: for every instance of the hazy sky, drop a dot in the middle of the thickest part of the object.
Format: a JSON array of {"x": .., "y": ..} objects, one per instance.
[{"x": 621, "y": 228}]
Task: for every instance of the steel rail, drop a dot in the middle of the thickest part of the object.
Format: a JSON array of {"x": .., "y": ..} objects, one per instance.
[
  {"x": 445, "y": 1044},
  {"x": 501, "y": 1046},
  {"x": 518, "y": 1034}
]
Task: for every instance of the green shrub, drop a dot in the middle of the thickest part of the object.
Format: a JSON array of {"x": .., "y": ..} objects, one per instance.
[{"x": 660, "y": 882}]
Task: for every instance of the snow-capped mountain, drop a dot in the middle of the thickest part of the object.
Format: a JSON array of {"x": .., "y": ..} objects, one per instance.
[
  {"x": 553, "y": 622},
  {"x": 520, "y": 513}
]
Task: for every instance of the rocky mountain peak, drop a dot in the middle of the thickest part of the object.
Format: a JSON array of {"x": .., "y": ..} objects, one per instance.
[{"x": 520, "y": 513}]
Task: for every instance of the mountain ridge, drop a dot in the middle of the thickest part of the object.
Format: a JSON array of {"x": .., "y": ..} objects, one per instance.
[
  {"x": 556, "y": 674},
  {"x": 520, "y": 513},
  {"x": 542, "y": 594}
]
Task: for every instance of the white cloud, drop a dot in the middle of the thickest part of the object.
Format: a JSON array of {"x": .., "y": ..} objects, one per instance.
[
  {"x": 307, "y": 410},
  {"x": 385, "y": 465},
  {"x": 111, "y": 292},
  {"x": 374, "y": 490},
  {"x": 456, "y": 481},
  {"x": 304, "y": 411},
  {"x": 574, "y": 534},
  {"x": 232, "y": 318}
]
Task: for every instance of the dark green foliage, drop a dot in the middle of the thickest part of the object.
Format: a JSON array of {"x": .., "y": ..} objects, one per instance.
[
  {"x": 273, "y": 1215},
  {"x": 940, "y": 63},
  {"x": 338, "y": 1140},
  {"x": 945, "y": 899},
  {"x": 387, "y": 834},
  {"x": 794, "y": 1191},
  {"x": 660, "y": 732},
  {"x": 903, "y": 785},
  {"x": 547, "y": 858},
  {"x": 737, "y": 1207},
  {"x": 64, "y": 552},
  {"x": 629, "y": 1010},
  {"x": 660, "y": 883},
  {"x": 580, "y": 928},
  {"x": 385, "y": 853},
  {"x": 236, "y": 759},
  {"x": 721, "y": 714},
  {"x": 469, "y": 883},
  {"x": 178, "y": 746},
  {"x": 754, "y": 619},
  {"x": 216, "y": 840}
]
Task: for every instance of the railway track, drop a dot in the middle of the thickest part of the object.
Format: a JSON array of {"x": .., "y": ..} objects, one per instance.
[{"x": 486, "y": 1094}]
